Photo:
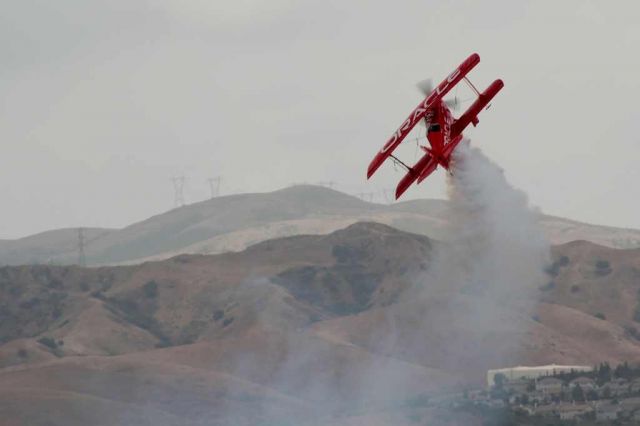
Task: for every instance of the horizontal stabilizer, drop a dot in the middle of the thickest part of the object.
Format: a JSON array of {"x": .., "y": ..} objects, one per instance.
[
  {"x": 425, "y": 166},
  {"x": 430, "y": 168}
]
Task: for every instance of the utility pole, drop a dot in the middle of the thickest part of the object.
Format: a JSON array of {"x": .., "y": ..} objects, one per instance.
[
  {"x": 81, "y": 242},
  {"x": 214, "y": 185},
  {"x": 178, "y": 188}
]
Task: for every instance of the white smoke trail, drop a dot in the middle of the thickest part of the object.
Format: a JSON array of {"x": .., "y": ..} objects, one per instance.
[
  {"x": 468, "y": 313},
  {"x": 495, "y": 240},
  {"x": 487, "y": 273},
  {"x": 472, "y": 309}
]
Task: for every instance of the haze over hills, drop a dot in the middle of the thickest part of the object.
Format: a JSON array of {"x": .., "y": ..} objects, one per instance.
[
  {"x": 47, "y": 246},
  {"x": 325, "y": 324},
  {"x": 234, "y": 222}
]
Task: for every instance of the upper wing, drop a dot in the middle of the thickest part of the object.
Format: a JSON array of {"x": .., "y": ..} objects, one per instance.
[
  {"x": 419, "y": 112},
  {"x": 471, "y": 114}
]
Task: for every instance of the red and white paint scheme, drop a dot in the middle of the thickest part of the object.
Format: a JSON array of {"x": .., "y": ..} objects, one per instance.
[{"x": 444, "y": 132}]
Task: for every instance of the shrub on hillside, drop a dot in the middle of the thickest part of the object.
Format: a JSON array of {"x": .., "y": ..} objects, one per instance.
[
  {"x": 603, "y": 268},
  {"x": 48, "y": 342},
  {"x": 554, "y": 268},
  {"x": 601, "y": 316},
  {"x": 150, "y": 289}
]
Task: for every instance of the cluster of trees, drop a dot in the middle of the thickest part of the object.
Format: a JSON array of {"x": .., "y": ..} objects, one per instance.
[{"x": 603, "y": 373}]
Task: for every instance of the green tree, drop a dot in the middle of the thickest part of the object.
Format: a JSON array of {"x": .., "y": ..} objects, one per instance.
[
  {"x": 499, "y": 380},
  {"x": 623, "y": 371},
  {"x": 603, "y": 374},
  {"x": 48, "y": 342},
  {"x": 577, "y": 394}
]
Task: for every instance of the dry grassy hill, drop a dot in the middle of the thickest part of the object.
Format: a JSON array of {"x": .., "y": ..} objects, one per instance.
[
  {"x": 47, "y": 247},
  {"x": 323, "y": 327},
  {"x": 234, "y": 222}
]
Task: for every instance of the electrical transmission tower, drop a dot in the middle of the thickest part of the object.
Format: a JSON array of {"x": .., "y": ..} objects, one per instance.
[
  {"x": 214, "y": 185},
  {"x": 387, "y": 197},
  {"x": 178, "y": 188},
  {"x": 364, "y": 196},
  {"x": 81, "y": 242},
  {"x": 329, "y": 184}
]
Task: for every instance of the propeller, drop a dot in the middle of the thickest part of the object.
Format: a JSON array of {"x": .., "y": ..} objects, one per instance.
[{"x": 425, "y": 86}]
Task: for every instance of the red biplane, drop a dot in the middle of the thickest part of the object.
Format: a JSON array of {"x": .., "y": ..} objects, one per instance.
[{"x": 444, "y": 131}]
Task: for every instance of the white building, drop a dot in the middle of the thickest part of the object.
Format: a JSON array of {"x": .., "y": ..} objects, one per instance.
[
  {"x": 516, "y": 373},
  {"x": 585, "y": 383}
]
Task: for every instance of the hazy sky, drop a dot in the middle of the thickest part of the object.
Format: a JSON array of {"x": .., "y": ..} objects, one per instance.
[{"x": 104, "y": 101}]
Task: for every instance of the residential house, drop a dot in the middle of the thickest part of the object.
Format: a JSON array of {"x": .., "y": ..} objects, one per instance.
[
  {"x": 549, "y": 386},
  {"x": 619, "y": 386},
  {"x": 573, "y": 411},
  {"x": 518, "y": 385},
  {"x": 585, "y": 383},
  {"x": 606, "y": 412},
  {"x": 634, "y": 386},
  {"x": 629, "y": 405}
]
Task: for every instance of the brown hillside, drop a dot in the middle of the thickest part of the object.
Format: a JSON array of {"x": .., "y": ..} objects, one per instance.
[{"x": 328, "y": 322}]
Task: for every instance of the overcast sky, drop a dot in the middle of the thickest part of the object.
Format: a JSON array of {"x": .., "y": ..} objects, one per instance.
[{"x": 104, "y": 101}]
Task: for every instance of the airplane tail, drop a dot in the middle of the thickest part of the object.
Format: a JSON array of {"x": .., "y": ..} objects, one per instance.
[{"x": 423, "y": 168}]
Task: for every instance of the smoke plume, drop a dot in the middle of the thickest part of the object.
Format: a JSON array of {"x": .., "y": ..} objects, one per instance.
[
  {"x": 496, "y": 244},
  {"x": 469, "y": 311},
  {"x": 481, "y": 285}
]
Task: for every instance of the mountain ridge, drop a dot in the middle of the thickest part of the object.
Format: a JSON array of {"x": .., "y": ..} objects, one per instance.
[{"x": 234, "y": 222}]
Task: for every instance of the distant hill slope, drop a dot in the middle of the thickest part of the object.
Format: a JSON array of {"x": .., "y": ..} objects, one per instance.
[
  {"x": 232, "y": 223},
  {"x": 289, "y": 325},
  {"x": 48, "y": 247}
]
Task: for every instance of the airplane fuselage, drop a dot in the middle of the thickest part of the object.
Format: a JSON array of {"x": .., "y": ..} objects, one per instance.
[
  {"x": 444, "y": 132},
  {"x": 439, "y": 132}
]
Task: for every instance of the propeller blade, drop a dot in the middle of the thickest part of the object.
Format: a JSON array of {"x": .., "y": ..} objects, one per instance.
[
  {"x": 454, "y": 103},
  {"x": 425, "y": 86}
]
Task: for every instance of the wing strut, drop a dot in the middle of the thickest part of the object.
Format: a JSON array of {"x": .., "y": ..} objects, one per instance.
[
  {"x": 471, "y": 86},
  {"x": 400, "y": 162}
]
